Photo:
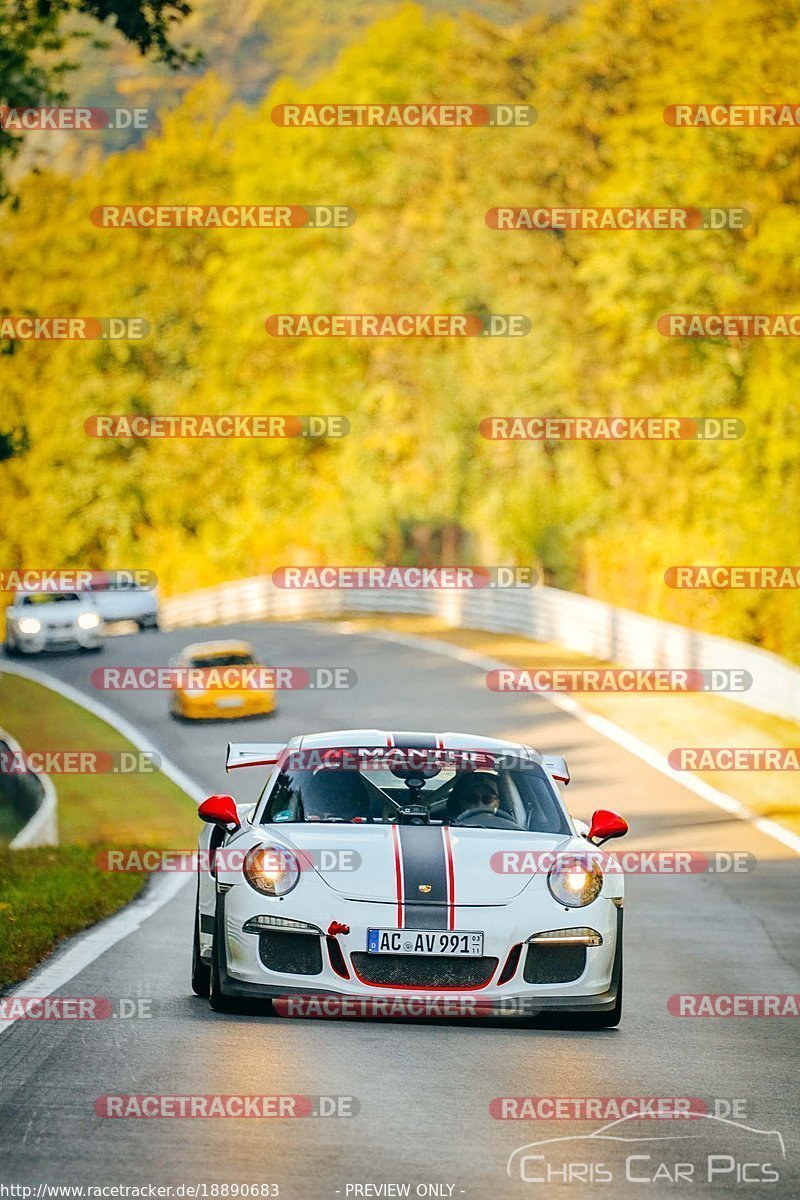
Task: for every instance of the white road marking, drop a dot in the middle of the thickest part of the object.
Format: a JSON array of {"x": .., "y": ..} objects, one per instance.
[
  {"x": 82, "y": 950},
  {"x": 614, "y": 733}
]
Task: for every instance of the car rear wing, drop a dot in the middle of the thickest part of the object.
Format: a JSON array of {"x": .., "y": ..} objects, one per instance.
[
  {"x": 253, "y": 754},
  {"x": 556, "y": 765}
]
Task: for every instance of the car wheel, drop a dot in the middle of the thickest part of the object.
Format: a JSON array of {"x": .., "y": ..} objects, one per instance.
[
  {"x": 10, "y": 648},
  {"x": 216, "y": 997},
  {"x": 201, "y": 971},
  {"x": 218, "y": 1000}
]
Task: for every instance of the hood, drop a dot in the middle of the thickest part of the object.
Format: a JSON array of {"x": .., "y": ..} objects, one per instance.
[
  {"x": 382, "y": 862},
  {"x": 54, "y": 610}
]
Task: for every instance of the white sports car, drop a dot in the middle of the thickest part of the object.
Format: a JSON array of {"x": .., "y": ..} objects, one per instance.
[
  {"x": 378, "y": 864},
  {"x": 38, "y": 621}
]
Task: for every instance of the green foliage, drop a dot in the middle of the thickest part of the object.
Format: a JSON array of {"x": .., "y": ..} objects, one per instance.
[
  {"x": 36, "y": 34},
  {"x": 414, "y": 480}
]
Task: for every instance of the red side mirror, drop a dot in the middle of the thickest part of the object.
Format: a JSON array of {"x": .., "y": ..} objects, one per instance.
[
  {"x": 606, "y": 825},
  {"x": 219, "y": 810}
]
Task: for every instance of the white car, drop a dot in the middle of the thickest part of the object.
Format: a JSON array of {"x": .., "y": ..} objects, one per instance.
[
  {"x": 38, "y": 621},
  {"x": 123, "y": 600},
  {"x": 408, "y": 863}
]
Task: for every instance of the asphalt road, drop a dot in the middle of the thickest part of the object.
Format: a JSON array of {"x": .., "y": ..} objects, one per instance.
[{"x": 424, "y": 1088}]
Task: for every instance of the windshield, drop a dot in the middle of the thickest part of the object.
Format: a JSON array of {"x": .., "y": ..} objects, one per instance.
[
  {"x": 115, "y": 585},
  {"x": 221, "y": 660},
  {"x": 49, "y": 597},
  {"x": 514, "y": 798}
]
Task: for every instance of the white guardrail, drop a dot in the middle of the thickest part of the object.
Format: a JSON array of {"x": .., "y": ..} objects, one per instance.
[
  {"x": 29, "y": 793},
  {"x": 543, "y": 614}
]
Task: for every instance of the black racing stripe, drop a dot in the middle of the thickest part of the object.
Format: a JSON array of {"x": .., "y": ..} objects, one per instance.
[
  {"x": 424, "y": 863},
  {"x": 414, "y": 741}
]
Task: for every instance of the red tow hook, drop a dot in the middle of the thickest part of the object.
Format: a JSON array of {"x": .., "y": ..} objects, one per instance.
[{"x": 335, "y": 950}]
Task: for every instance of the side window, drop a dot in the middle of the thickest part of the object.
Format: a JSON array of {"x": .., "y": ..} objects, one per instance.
[{"x": 284, "y": 803}]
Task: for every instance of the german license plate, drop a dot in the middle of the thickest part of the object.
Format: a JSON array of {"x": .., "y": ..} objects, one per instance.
[
  {"x": 230, "y": 702},
  {"x": 424, "y": 941}
]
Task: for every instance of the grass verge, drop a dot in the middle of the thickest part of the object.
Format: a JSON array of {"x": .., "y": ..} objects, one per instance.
[
  {"x": 664, "y": 722},
  {"x": 47, "y": 894},
  {"x": 50, "y": 893}
]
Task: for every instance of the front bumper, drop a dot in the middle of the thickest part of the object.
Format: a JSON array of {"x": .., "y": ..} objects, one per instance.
[
  {"x": 501, "y": 986},
  {"x": 217, "y": 706},
  {"x": 71, "y": 637}
]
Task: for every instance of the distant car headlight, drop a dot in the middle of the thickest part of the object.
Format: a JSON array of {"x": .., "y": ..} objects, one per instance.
[
  {"x": 30, "y": 625},
  {"x": 271, "y": 870},
  {"x": 575, "y": 884},
  {"x": 88, "y": 620}
]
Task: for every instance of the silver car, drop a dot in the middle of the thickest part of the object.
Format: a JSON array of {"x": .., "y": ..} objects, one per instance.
[
  {"x": 38, "y": 621},
  {"x": 124, "y": 600}
]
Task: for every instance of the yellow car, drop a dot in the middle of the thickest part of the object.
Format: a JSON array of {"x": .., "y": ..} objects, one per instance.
[{"x": 218, "y": 694}]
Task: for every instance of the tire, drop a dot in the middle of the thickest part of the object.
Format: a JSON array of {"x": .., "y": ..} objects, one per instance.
[
  {"x": 10, "y": 649},
  {"x": 218, "y": 1000},
  {"x": 216, "y": 997},
  {"x": 201, "y": 971}
]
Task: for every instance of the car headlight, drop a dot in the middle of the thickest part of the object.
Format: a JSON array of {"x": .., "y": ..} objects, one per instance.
[
  {"x": 30, "y": 625},
  {"x": 271, "y": 870},
  {"x": 575, "y": 883},
  {"x": 88, "y": 620}
]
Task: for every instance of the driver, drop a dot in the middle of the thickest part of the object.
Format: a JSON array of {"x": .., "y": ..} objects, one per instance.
[
  {"x": 333, "y": 795},
  {"x": 476, "y": 792}
]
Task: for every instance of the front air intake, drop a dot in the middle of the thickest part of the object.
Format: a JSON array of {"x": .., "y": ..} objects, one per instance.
[
  {"x": 290, "y": 953},
  {"x": 434, "y": 971}
]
